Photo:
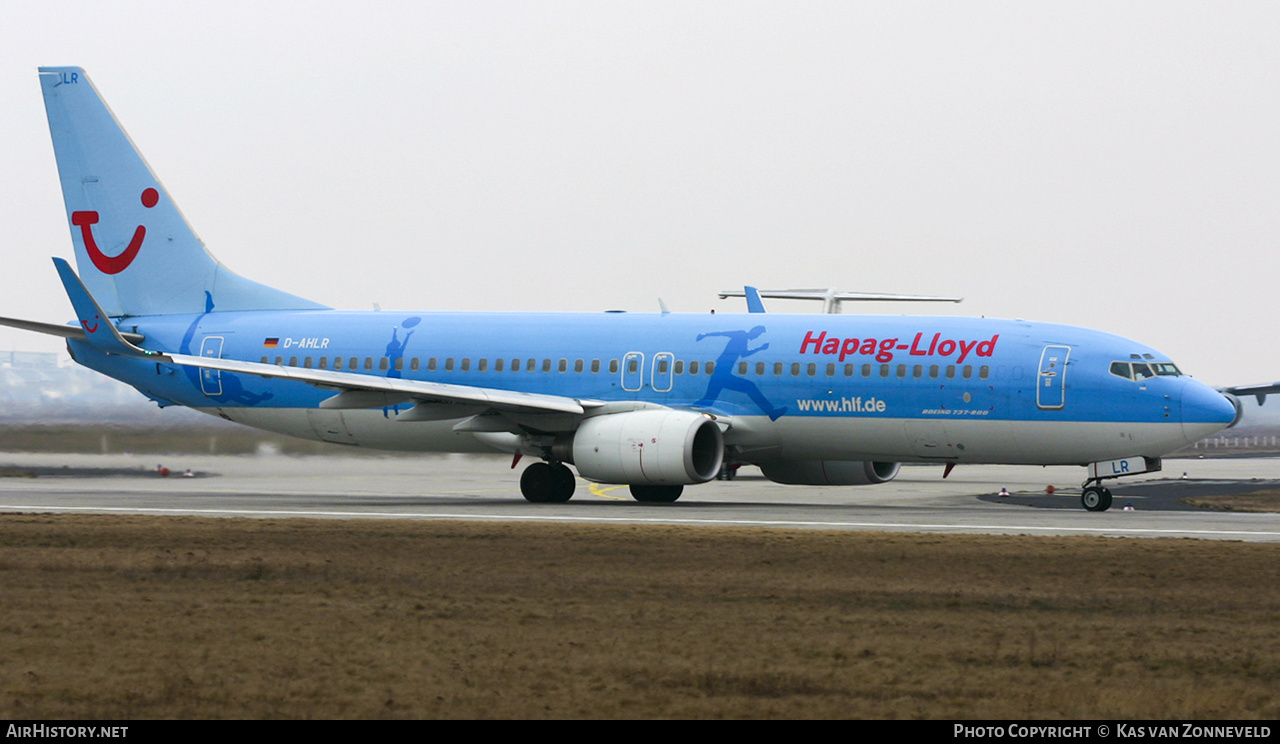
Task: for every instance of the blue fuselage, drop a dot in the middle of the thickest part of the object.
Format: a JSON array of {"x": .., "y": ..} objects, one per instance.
[{"x": 812, "y": 386}]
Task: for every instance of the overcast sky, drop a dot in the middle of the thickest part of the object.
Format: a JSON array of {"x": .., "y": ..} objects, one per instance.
[{"x": 1111, "y": 165}]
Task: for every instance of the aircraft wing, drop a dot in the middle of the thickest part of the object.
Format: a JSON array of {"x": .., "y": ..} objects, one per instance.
[
  {"x": 830, "y": 298},
  {"x": 377, "y": 391},
  {"x": 392, "y": 387},
  {"x": 1258, "y": 391}
]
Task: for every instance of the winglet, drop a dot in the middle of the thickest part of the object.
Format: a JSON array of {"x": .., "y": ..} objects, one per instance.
[
  {"x": 754, "y": 304},
  {"x": 98, "y": 328}
]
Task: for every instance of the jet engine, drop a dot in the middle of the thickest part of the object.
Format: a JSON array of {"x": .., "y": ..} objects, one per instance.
[
  {"x": 653, "y": 446},
  {"x": 829, "y": 472}
]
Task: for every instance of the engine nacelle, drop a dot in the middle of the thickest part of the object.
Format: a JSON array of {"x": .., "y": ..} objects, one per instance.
[
  {"x": 1239, "y": 408},
  {"x": 653, "y": 446},
  {"x": 829, "y": 472}
]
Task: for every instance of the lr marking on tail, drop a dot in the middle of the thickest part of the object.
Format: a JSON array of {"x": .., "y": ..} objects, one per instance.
[{"x": 113, "y": 264}]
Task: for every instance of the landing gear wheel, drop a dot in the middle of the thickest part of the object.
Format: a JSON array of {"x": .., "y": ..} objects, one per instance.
[
  {"x": 1096, "y": 498},
  {"x": 656, "y": 494},
  {"x": 547, "y": 483}
]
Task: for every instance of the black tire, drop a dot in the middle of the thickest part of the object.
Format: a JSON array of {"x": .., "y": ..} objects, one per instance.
[
  {"x": 1095, "y": 499},
  {"x": 547, "y": 483},
  {"x": 656, "y": 494}
]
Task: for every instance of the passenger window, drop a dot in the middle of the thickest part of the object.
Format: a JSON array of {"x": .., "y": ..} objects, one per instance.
[
  {"x": 759, "y": 369},
  {"x": 679, "y": 367},
  {"x": 811, "y": 369},
  {"x": 595, "y": 366},
  {"x": 831, "y": 369},
  {"x": 983, "y": 371},
  {"x": 933, "y": 371},
  {"x": 564, "y": 365},
  {"x": 777, "y": 369},
  {"x": 498, "y": 364},
  {"x": 431, "y": 364},
  {"x": 709, "y": 367},
  {"x": 968, "y": 371},
  {"x": 795, "y": 369},
  {"x": 693, "y": 368},
  {"x": 613, "y": 366},
  {"x": 264, "y": 360},
  {"x": 482, "y": 365},
  {"x": 448, "y": 364},
  {"x": 368, "y": 363},
  {"x": 324, "y": 362},
  {"x": 848, "y": 370},
  {"x": 884, "y": 370},
  {"x": 293, "y": 361},
  {"x": 742, "y": 368},
  {"x": 466, "y": 364},
  {"x": 579, "y": 365},
  {"x": 546, "y": 365},
  {"x": 399, "y": 363},
  {"x": 866, "y": 370},
  {"x": 414, "y": 365}
]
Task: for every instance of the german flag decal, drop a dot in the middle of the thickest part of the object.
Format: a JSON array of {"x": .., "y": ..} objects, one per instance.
[{"x": 271, "y": 343}]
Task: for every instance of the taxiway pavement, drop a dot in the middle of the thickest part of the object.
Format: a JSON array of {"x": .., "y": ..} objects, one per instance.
[{"x": 485, "y": 488}]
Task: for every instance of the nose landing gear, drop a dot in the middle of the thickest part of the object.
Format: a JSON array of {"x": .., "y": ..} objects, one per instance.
[{"x": 1096, "y": 498}]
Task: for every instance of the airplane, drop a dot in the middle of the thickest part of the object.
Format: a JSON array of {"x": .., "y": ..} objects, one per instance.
[{"x": 655, "y": 401}]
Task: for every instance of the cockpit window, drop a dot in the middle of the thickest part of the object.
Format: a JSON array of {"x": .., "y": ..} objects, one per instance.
[{"x": 1144, "y": 370}]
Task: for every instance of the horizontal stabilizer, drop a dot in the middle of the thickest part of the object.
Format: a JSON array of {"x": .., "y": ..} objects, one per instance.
[{"x": 65, "y": 331}]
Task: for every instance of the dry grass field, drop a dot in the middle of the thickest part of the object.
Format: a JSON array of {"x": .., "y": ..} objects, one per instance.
[
  {"x": 138, "y": 617},
  {"x": 1254, "y": 501}
]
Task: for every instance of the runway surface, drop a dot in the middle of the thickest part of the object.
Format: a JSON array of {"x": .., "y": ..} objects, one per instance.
[{"x": 485, "y": 488}]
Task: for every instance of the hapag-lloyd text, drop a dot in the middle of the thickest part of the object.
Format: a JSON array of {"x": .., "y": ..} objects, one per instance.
[{"x": 883, "y": 349}]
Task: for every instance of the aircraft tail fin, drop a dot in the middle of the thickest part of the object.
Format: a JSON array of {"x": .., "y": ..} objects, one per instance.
[{"x": 136, "y": 253}]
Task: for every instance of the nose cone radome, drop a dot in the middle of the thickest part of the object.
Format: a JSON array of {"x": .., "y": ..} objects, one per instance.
[{"x": 1205, "y": 411}]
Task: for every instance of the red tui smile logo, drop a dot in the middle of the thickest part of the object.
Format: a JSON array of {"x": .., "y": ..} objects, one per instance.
[{"x": 113, "y": 264}]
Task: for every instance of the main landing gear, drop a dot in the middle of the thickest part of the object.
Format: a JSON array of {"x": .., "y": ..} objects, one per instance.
[
  {"x": 547, "y": 483},
  {"x": 656, "y": 494},
  {"x": 554, "y": 483}
]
